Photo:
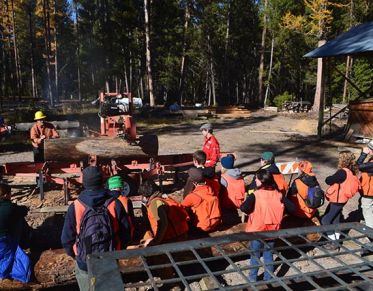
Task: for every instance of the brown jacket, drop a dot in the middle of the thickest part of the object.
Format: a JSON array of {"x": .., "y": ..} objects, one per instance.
[{"x": 37, "y": 131}]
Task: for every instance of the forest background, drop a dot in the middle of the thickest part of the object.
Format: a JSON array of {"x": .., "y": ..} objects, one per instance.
[{"x": 211, "y": 52}]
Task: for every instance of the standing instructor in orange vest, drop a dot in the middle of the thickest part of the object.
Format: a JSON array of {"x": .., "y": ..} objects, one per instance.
[
  {"x": 210, "y": 146},
  {"x": 40, "y": 131}
]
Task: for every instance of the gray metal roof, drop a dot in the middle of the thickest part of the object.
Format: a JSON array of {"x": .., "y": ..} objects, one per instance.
[{"x": 358, "y": 40}]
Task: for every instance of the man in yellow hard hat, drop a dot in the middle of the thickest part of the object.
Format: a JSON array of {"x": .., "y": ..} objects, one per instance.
[{"x": 40, "y": 131}]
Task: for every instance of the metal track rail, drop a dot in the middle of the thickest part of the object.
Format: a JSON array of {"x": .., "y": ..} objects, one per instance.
[{"x": 299, "y": 263}]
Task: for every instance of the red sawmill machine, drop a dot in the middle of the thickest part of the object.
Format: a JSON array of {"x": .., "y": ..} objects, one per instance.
[{"x": 116, "y": 149}]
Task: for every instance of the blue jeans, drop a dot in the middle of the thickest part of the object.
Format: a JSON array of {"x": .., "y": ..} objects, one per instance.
[
  {"x": 255, "y": 246},
  {"x": 332, "y": 214},
  {"x": 82, "y": 278}
]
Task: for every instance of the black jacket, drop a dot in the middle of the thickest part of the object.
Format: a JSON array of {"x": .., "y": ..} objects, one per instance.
[
  {"x": 9, "y": 213},
  {"x": 365, "y": 167},
  {"x": 272, "y": 168},
  {"x": 308, "y": 180}
]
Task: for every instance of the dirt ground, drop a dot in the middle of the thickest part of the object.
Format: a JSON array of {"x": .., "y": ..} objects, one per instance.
[{"x": 290, "y": 136}]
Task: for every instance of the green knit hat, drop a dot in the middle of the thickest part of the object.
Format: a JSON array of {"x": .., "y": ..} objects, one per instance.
[
  {"x": 115, "y": 182},
  {"x": 267, "y": 156}
]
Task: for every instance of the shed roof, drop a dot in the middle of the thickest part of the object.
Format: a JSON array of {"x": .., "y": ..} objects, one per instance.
[{"x": 358, "y": 40}]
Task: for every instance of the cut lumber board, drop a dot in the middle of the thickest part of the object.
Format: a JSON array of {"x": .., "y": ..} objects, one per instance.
[
  {"x": 78, "y": 149},
  {"x": 47, "y": 209}
]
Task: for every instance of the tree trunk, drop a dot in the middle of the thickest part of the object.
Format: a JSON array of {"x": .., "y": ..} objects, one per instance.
[
  {"x": 212, "y": 79},
  {"x": 347, "y": 75},
  {"x": 148, "y": 55},
  {"x": 76, "y": 30},
  {"x": 262, "y": 53},
  {"x": 319, "y": 95},
  {"x": 32, "y": 56},
  {"x": 12, "y": 82},
  {"x": 55, "y": 52},
  {"x": 320, "y": 76},
  {"x": 78, "y": 149},
  {"x": 47, "y": 50},
  {"x": 226, "y": 80},
  {"x": 16, "y": 56},
  {"x": 270, "y": 72},
  {"x": 183, "y": 56}
]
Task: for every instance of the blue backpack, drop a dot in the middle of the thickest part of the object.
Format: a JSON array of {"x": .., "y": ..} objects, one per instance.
[
  {"x": 96, "y": 233},
  {"x": 315, "y": 197}
]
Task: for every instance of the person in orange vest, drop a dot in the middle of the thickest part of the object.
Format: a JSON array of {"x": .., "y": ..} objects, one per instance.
[
  {"x": 203, "y": 204},
  {"x": 267, "y": 161},
  {"x": 233, "y": 184},
  {"x": 211, "y": 145},
  {"x": 265, "y": 208},
  {"x": 343, "y": 185},
  {"x": 199, "y": 160},
  {"x": 79, "y": 234},
  {"x": 167, "y": 218},
  {"x": 115, "y": 186},
  {"x": 298, "y": 190},
  {"x": 5, "y": 130},
  {"x": 366, "y": 191},
  {"x": 40, "y": 131}
]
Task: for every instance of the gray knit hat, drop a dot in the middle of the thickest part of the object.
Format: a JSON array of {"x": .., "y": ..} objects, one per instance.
[{"x": 207, "y": 126}]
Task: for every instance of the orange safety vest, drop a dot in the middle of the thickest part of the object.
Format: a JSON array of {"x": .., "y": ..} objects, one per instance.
[
  {"x": 177, "y": 219},
  {"x": 207, "y": 213},
  {"x": 124, "y": 201},
  {"x": 234, "y": 194},
  {"x": 281, "y": 183},
  {"x": 79, "y": 212},
  {"x": 341, "y": 193},
  {"x": 301, "y": 208},
  {"x": 214, "y": 183},
  {"x": 268, "y": 211},
  {"x": 3, "y": 129},
  {"x": 366, "y": 185}
]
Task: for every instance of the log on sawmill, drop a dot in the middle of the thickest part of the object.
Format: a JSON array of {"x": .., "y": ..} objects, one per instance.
[
  {"x": 65, "y": 124},
  {"x": 78, "y": 149}
]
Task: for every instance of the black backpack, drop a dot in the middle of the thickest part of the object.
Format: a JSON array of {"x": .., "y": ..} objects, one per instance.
[
  {"x": 96, "y": 232},
  {"x": 315, "y": 197}
]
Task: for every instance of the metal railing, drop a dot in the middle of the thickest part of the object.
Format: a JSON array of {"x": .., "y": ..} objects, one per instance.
[{"x": 222, "y": 263}]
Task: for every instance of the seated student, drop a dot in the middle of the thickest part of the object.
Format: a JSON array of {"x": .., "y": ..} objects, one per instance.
[
  {"x": 298, "y": 191},
  {"x": 199, "y": 160},
  {"x": 203, "y": 204},
  {"x": 14, "y": 263},
  {"x": 167, "y": 218},
  {"x": 115, "y": 186},
  {"x": 265, "y": 208},
  {"x": 233, "y": 185},
  {"x": 267, "y": 161}
]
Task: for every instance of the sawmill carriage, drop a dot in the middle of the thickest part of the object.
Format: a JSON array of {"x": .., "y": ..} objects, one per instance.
[{"x": 116, "y": 149}]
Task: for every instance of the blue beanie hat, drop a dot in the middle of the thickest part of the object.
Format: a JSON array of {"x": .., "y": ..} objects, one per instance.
[{"x": 227, "y": 162}]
